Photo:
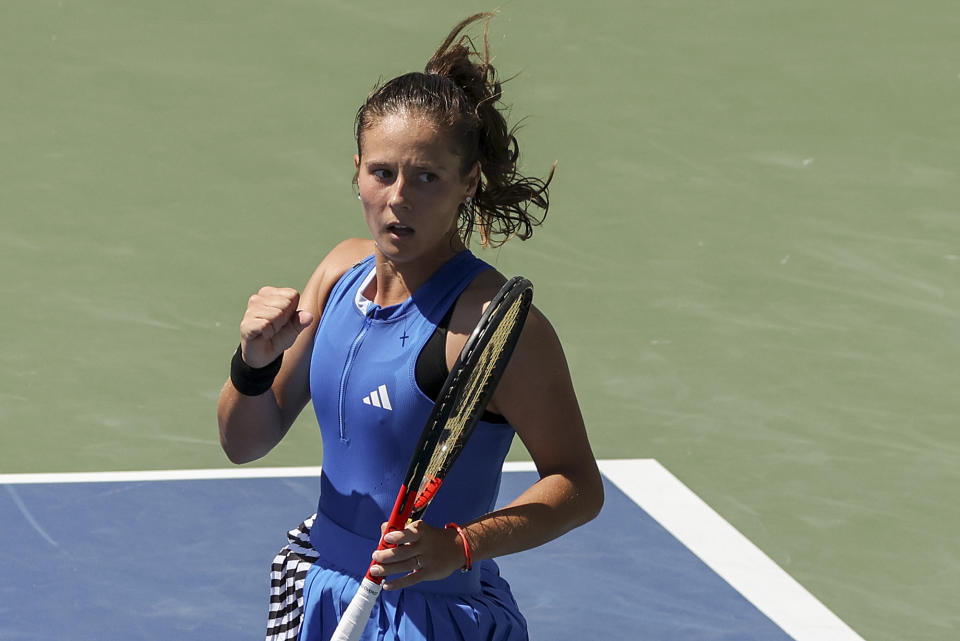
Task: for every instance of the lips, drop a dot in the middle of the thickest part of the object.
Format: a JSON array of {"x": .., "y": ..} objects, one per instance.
[{"x": 399, "y": 230}]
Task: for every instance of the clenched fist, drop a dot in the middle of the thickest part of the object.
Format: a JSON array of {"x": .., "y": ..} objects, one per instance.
[{"x": 271, "y": 324}]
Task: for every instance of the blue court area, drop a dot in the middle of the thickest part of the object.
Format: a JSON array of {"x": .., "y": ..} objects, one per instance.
[{"x": 188, "y": 560}]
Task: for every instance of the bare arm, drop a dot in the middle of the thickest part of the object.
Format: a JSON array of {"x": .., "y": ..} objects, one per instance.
[
  {"x": 279, "y": 321},
  {"x": 538, "y": 399}
]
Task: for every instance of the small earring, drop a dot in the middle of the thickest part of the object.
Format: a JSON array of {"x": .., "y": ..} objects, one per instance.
[
  {"x": 358, "y": 197},
  {"x": 469, "y": 201}
]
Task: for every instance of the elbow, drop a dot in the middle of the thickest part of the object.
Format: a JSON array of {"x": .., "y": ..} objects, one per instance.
[
  {"x": 593, "y": 498},
  {"x": 235, "y": 456},
  {"x": 240, "y": 439},
  {"x": 240, "y": 455},
  {"x": 586, "y": 497},
  {"x": 590, "y": 493},
  {"x": 582, "y": 495},
  {"x": 237, "y": 450}
]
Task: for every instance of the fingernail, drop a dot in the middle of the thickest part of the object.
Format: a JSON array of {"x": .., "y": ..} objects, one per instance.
[{"x": 376, "y": 570}]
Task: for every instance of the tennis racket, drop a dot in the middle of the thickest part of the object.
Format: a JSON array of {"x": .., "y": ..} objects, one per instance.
[{"x": 462, "y": 400}]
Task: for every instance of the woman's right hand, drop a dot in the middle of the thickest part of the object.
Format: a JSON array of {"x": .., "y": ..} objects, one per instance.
[{"x": 271, "y": 324}]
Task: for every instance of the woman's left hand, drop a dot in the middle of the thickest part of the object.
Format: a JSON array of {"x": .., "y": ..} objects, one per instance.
[{"x": 422, "y": 553}]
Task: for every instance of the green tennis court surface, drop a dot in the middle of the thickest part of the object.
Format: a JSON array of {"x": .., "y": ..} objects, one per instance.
[{"x": 751, "y": 257}]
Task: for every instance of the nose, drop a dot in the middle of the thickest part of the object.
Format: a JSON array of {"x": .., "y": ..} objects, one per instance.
[{"x": 400, "y": 196}]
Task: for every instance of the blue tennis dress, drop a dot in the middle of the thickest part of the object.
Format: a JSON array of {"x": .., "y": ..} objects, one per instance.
[{"x": 371, "y": 412}]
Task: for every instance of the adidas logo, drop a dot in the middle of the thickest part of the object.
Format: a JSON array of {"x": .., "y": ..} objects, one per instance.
[{"x": 378, "y": 398}]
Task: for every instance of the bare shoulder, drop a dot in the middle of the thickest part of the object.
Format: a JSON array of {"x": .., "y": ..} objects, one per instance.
[
  {"x": 342, "y": 257},
  {"x": 350, "y": 251},
  {"x": 335, "y": 264},
  {"x": 537, "y": 340},
  {"x": 474, "y": 300}
]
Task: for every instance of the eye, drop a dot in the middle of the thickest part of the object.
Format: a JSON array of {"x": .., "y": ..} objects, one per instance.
[
  {"x": 382, "y": 174},
  {"x": 428, "y": 177}
]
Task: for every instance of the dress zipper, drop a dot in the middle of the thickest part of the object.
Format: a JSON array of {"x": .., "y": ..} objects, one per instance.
[{"x": 354, "y": 348}]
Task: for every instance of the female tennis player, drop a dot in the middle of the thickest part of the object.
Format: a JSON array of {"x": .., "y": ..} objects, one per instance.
[{"x": 370, "y": 341}]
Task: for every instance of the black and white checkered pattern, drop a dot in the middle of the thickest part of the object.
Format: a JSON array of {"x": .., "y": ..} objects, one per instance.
[{"x": 287, "y": 574}]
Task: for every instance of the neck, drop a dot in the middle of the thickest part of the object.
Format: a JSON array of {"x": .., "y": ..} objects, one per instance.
[{"x": 397, "y": 281}]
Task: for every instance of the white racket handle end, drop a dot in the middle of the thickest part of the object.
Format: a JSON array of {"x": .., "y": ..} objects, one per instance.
[{"x": 355, "y": 617}]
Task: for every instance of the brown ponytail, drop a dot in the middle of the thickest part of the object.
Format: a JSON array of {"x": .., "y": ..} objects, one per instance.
[{"x": 460, "y": 91}]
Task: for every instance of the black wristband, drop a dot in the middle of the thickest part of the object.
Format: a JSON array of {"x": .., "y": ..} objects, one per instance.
[{"x": 252, "y": 381}]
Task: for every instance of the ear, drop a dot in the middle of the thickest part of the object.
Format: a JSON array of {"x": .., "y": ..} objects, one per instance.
[
  {"x": 472, "y": 180},
  {"x": 356, "y": 161}
]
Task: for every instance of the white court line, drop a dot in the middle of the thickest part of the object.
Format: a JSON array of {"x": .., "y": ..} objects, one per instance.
[
  {"x": 728, "y": 553},
  {"x": 192, "y": 475},
  {"x": 671, "y": 503},
  {"x": 160, "y": 475}
]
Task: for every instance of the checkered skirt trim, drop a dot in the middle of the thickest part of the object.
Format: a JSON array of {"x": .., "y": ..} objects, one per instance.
[{"x": 287, "y": 574}]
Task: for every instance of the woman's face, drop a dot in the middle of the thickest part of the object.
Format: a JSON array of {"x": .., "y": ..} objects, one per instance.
[{"x": 410, "y": 184}]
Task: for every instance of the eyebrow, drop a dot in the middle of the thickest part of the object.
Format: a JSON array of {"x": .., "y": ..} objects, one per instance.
[{"x": 373, "y": 161}]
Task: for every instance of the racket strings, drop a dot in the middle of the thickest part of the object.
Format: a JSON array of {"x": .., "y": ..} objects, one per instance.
[{"x": 478, "y": 379}]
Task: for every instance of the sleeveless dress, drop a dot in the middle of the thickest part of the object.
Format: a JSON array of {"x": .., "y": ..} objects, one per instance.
[{"x": 371, "y": 411}]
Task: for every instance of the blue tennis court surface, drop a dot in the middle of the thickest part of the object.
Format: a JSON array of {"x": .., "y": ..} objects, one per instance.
[{"x": 163, "y": 556}]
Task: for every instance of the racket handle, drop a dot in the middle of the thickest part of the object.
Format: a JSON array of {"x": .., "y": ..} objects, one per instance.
[{"x": 355, "y": 618}]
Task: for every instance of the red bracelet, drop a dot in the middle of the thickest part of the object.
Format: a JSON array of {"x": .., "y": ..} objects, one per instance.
[{"x": 466, "y": 546}]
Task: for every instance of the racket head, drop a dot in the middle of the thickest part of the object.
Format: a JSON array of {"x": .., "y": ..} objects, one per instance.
[{"x": 469, "y": 387}]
